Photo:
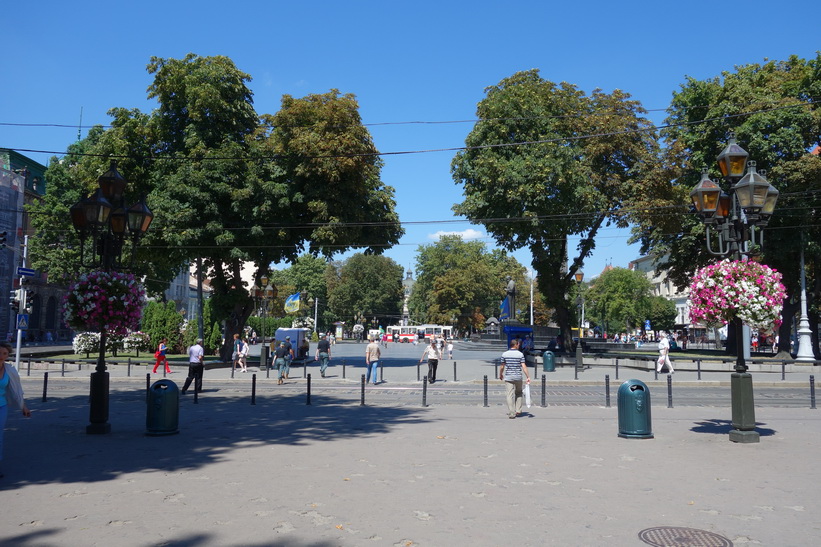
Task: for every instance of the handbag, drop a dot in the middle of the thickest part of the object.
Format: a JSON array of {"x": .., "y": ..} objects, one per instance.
[
  {"x": 528, "y": 401},
  {"x": 157, "y": 354},
  {"x": 234, "y": 356}
]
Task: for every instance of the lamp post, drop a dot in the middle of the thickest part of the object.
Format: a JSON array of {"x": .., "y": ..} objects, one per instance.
[
  {"x": 805, "y": 353},
  {"x": 107, "y": 223},
  {"x": 736, "y": 218},
  {"x": 580, "y": 303},
  {"x": 264, "y": 295}
]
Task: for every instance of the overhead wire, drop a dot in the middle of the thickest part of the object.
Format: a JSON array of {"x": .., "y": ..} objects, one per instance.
[{"x": 650, "y": 128}]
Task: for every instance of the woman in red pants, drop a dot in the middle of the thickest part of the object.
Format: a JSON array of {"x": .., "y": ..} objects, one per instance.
[{"x": 160, "y": 355}]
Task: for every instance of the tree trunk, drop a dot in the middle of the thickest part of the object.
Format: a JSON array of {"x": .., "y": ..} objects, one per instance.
[{"x": 235, "y": 324}]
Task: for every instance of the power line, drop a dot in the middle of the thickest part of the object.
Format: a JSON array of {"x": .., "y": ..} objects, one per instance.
[{"x": 262, "y": 158}]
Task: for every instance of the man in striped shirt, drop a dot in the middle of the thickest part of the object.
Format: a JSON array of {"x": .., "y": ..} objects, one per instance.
[{"x": 513, "y": 371}]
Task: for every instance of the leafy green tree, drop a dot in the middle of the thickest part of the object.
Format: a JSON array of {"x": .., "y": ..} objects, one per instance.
[
  {"x": 367, "y": 284},
  {"x": 162, "y": 320},
  {"x": 224, "y": 183},
  {"x": 619, "y": 299},
  {"x": 661, "y": 312},
  {"x": 461, "y": 282},
  {"x": 771, "y": 109},
  {"x": 546, "y": 163}
]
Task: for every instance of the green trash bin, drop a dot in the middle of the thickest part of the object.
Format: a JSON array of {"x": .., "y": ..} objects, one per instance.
[
  {"x": 163, "y": 413},
  {"x": 549, "y": 361},
  {"x": 634, "y": 410}
]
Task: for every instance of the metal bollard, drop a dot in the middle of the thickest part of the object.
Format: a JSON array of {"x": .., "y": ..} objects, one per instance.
[
  {"x": 656, "y": 372},
  {"x": 362, "y": 401},
  {"x": 425, "y": 391},
  {"x": 305, "y": 368},
  {"x": 544, "y": 391},
  {"x": 669, "y": 391},
  {"x": 418, "y": 371},
  {"x": 63, "y": 369},
  {"x": 343, "y": 369},
  {"x": 485, "y": 390},
  {"x": 129, "y": 367},
  {"x": 232, "y": 371},
  {"x": 812, "y": 391},
  {"x": 268, "y": 368},
  {"x": 253, "y": 389},
  {"x": 147, "y": 381},
  {"x": 617, "y": 368},
  {"x": 607, "y": 390},
  {"x": 381, "y": 370},
  {"x": 496, "y": 368},
  {"x": 576, "y": 372},
  {"x": 45, "y": 386},
  {"x": 308, "y": 394},
  {"x": 454, "y": 371},
  {"x": 29, "y": 367},
  {"x": 783, "y": 369},
  {"x": 698, "y": 366}
]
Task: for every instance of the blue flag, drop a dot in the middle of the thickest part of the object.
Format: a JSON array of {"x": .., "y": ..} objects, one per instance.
[
  {"x": 292, "y": 303},
  {"x": 504, "y": 309}
]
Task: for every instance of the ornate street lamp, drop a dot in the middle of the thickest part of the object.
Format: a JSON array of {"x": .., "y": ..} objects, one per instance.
[
  {"x": 737, "y": 217},
  {"x": 264, "y": 295},
  {"x": 580, "y": 305},
  {"x": 106, "y": 222}
]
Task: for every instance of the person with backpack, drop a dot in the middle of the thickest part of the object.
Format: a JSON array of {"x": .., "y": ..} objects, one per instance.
[{"x": 159, "y": 355}]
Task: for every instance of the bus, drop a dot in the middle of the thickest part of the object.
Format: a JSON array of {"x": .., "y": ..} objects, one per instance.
[{"x": 410, "y": 333}]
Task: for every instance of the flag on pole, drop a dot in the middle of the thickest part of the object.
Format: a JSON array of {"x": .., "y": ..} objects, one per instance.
[
  {"x": 504, "y": 309},
  {"x": 292, "y": 303}
]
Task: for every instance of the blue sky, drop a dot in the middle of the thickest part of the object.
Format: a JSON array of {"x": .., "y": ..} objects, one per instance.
[{"x": 405, "y": 62}]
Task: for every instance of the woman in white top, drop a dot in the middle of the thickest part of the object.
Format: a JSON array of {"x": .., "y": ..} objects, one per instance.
[
  {"x": 664, "y": 354},
  {"x": 433, "y": 355},
  {"x": 11, "y": 393}
]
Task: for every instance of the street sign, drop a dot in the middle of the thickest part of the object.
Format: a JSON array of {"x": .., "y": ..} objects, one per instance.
[
  {"x": 22, "y": 321},
  {"x": 27, "y": 272}
]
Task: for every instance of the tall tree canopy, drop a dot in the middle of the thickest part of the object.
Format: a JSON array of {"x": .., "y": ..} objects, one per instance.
[
  {"x": 366, "y": 284},
  {"x": 618, "y": 300},
  {"x": 772, "y": 108},
  {"x": 461, "y": 282},
  {"x": 547, "y": 162},
  {"x": 230, "y": 187}
]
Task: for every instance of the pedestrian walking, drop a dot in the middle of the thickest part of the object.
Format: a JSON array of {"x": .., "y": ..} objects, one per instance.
[
  {"x": 323, "y": 353},
  {"x": 288, "y": 356},
  {"x": 513, "y": 371},
  {"x": 236, "y": 346},
  {"x": 664, "y": 354},
  {"x": 11, "y": 393},
  {"x": 244, "y": 348},
  {"x": 280, "y": 361},
  {"x": 432, "y": 354},
  {"x": 372, "y": 355},
  {"x": 196, "y": 366},
  {"x": 450, "y": 349},
  {"x": 160, "y": 357}
]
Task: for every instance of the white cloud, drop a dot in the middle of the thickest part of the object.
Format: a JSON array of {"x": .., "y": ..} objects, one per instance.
[{"x": 466, "y": 235}]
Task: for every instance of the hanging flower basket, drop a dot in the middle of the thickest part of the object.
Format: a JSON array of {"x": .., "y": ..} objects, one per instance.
[
  {"x": 735, "y": 288},
  {"x": 109, "y": 301}
]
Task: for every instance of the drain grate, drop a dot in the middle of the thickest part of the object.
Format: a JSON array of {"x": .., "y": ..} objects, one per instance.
[{"x": 674, "y": 536}]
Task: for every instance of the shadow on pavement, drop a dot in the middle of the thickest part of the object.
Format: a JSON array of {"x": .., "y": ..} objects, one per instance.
[
  {"x": 52, "y": 445},
  {"x": 723, "y": 427}
]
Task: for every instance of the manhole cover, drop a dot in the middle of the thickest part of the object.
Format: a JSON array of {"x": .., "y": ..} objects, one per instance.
[{"x": 674, "y": 536}]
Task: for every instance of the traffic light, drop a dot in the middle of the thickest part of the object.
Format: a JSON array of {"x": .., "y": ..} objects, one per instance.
[
  {"x": 14, "y": 300},
  {"x": 4, "y": 236}
]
